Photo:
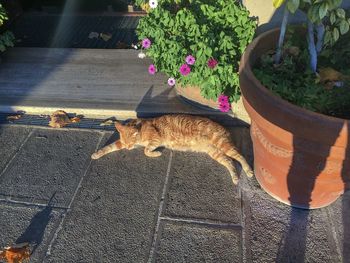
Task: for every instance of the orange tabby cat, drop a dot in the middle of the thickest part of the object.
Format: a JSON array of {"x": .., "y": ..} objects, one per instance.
[{"x": 181, "y": 133}]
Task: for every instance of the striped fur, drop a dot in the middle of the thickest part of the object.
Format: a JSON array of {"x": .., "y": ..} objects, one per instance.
[{"x": 181, "y": 133}]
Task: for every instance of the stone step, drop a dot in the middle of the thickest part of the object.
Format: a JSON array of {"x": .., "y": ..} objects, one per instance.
[{"x": 93, "y": 82}]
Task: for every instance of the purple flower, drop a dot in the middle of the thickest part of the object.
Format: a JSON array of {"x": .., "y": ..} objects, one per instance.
[
  {"x": 190, "y": 60},
  {"x": 185, "y": 69},
  {"x": 223, "y": 99},
  {"x": 224, "y": 107},
  {"x": 171, "y": 82},
  {"x": 146, "y": 43},
  {"x": 152, "y": 69},
  {"x": 212, "y": 63}
]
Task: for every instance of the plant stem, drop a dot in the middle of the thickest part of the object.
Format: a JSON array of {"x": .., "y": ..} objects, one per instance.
[
  {"x": 311, "y": 46},
  {"x": 282, "y": 34},
  {"x": 320, "y": 34}
]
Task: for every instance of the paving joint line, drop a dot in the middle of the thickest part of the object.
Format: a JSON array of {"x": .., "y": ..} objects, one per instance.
[
  {"x": 243, "y": 234},
  {"x": 29, "y": 204},
  {"x": 334, "y": 234},
  {"x": 60, "y": 226},
  {"x": 196, "y": 221},
  {"x": 17, "y": 152},
  {"x": 160, "y": 210}
]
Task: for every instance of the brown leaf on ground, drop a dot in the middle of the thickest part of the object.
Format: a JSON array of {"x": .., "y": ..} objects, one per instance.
[
  {"x": 60, "y": 119},
  {"x": 121, "y": 45},
  {"x": 14, "y": 117},
  {"x": 75, "y": 119},
  {"x": 93, "y": 35},
  {"x": 106, "y": 36},
  {"x": 107, "y": 122},
  {"x": 18, "y": 253}
]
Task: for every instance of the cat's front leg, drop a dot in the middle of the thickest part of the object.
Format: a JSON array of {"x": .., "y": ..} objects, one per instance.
[{"x": 116, "y": 146}]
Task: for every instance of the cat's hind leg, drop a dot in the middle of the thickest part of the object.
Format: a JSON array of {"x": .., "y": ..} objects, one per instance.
[
  {"x": 221, "y": 158},
  {"x": 234, "y": 154},
  {"x": 116, "y": 146}
]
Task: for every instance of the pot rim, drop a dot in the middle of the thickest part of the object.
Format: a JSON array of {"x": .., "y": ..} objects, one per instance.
[{"x": 286, "y": 106}]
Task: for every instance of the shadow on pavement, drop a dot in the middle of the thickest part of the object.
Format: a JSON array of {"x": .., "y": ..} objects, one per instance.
[{"x": 35, "y": 231}]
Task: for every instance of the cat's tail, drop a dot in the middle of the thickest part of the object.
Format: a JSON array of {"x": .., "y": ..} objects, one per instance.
[{"x": 231, "y": 151}]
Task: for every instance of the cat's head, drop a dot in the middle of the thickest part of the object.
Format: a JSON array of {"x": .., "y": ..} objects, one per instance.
[{"x": 129, "y": 134}]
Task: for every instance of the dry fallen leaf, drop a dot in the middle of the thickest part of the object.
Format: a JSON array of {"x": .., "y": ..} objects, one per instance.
[
  {"x": 18, "y": 253},
  {"x": 121, "y": 45},
  {"x": 107, "y": 122},
  {"x": 75, "y": 119},
  {"x": 106, "y": 36},
  {"x": 329, "y": 74},
  {"x": 13, "y": 117},
  {"x": 330, "y": 78},
  {"x": 60, "y": 119},
  {"x": 145, "y": 7},
  {"x": 93, "y": 35}
]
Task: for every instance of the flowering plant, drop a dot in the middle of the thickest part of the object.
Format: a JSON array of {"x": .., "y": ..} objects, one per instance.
[
  {"x": 197, "y": 42},
  {"x": 6, "y": 38}
]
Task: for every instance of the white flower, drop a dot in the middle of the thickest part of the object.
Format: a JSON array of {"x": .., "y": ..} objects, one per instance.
[
  {"x": 141, "y": 55},
  {"x": 153, "y": 3},
  {"x": 134, "y": 46}
]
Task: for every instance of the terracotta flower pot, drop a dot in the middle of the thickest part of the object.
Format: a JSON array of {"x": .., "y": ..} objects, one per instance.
[
  {"x": 301, "y": 158},
  {"x": 193, "y": 94}
]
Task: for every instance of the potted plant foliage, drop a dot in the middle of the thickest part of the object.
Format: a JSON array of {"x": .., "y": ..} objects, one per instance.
[
  {"x": 296, "y": 89},
  {"x": 198, "y": 45},
  {"x": 6, "y": 37}
]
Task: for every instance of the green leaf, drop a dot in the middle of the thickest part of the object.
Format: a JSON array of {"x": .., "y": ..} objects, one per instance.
[
  {"x": 293, "y": 5},
  {"x": 341, "y": 13},
  {"x": 344, "y": 27},
  {"x": 278, "y": 3},
  {"x": 323, "y": 10},
  {"x": 335, "y": 34},
  {"x": 332, "y": 18}
]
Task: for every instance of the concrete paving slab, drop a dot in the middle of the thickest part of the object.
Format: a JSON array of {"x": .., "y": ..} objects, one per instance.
[
  {"x": 199, "y": 187},
  {"x": 51, "y": 161},
  {"x": 275, "y": 232},
  {"x": 11, "y": 139},
  {"x": 193, "y": 243},
  {"x": 339, "y": 213},
  {"x": 113, "y": 216},
  {"x": 35, "y": 225}
]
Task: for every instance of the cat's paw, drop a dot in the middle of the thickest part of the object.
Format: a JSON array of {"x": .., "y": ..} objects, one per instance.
[
  {"x": 249, "y": 173},
  {"x": 95, "y": 156},
  {"x": 235, "y": 179}
]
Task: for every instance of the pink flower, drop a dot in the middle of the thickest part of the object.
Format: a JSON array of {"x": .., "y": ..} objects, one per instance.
[
  {"x": 146, "y": 43},
  {"x": 152, "y": 69},
  {"x": 190, "y": 60},
  {"x": 212, "y": 63},
  {"x": 171, "y": 82},
  {"x": 223, "y": 99},
  {"x": 224, "y": 107},
  {"x": 185, "y": 69}
]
